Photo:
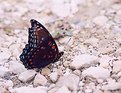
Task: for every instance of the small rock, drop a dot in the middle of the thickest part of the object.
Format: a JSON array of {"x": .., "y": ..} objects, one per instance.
[
  {"x": 53, "y": 90},
  {"x": 88, "y": 91},
  {"x": 119, "y": 12},
  {"x": 116, "y": 66},
  {"x": 67, "y": 71},
  {"x": 70, "y": 81},
  {"x": 116, "y": 1},
  {"x": 45, "y": 71},
  {"x": 106, "y": 49},
  {"x": 69, "y": 8},
  {"x": 14, "y": 48},
  {"x": 9, "y": 83},
  {"x": 29, "y": 90},
  {"x": 59, "y": 71},
  {"x": 84, "y": 60},
  {"x": 92, "y": 41},
  {"x": 4, "y": 55},
  {"x": 112, "y": 86},
  {"x": 53, "y": 76},
  {"x": 40, "y": 80},
  {"x": 116, "y": 29},
  {"x": 3, "y": 71},
  {"x": 119, "y": 74},
  {"x": 100, "y": 20},
  {"x": 3, "y": 90},
  {"x": 16, "y": 67},
  {"x": 97, "y": 72},
  {"x": 63, "y": 89},
  {"x": 27, "y": 75},
  {"x": 104, "y": 61},
  {"x": 77, "y": 72},
  {"x": 81, "y": 84}
]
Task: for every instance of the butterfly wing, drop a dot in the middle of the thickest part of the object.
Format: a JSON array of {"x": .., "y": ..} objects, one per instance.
[{"x": 41, "y": 49}]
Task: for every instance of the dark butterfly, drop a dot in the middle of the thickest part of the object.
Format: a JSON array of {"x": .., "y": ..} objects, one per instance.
[{"x": 41, "y": 49}]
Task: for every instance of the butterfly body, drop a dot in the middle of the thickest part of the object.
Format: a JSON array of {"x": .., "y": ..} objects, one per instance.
[{"x": 41, "y": 49}]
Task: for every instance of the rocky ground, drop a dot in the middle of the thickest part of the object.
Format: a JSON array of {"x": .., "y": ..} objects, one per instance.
[{"x": 89, "y": 33}]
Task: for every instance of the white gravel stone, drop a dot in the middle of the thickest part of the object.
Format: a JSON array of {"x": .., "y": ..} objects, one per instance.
[
  {"x": 77, "y": 72},
  {"x": 84, "y": 60},
  {"x": 37, "y": 2},
  {"x": 63, "y": 89},
  {"x": 119, "y": 74},
  {"x": 70, "y": 81},
  {"x": 81, "y": 84},
  {"x": 97, "y": 72},
  {"x": 100, "y": 20},
  {"x": 3, "y": 71},
  {"x": 40, "y": 80},
  {"x": 69, "y": 7},
  {"x": 27, "y": 75},
  {"x": 53, "y": 90},
  {"x": 116, "y": 29},
  {"x": 92, "y": 41},
  {"x": 53, "y": 76},
  {"x": 119, "y": 12},
  {"x": 16, "y": 67},
  {"x": 88, "y": 91},
  {"x": 14, "y": 48},
  {"x": 4, "y": 55},
  {"x": 116, "y": 66},
  {"x": 112, "y": 86},
  {"x": 9, "y": 83},
  {"x": 45, "y": 71},
  {"x": 29, "y": 90},
  {"x": 104, "y": 61}
]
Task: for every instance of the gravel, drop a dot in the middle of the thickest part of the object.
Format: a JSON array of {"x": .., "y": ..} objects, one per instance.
[{"x": 89, "y": 33}]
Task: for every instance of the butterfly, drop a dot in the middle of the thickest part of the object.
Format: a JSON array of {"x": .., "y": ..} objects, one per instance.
[{"x": 41, "y": 49}]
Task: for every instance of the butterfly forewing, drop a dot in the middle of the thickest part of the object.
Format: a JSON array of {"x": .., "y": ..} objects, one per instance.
[{"x": 41, "y": 48}]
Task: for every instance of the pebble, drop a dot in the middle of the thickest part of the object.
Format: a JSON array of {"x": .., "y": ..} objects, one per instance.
[
  {"x": 70, "y": 81},
  {"x": 94, "y": 21},
  {"x": 83, "y": 60},
  {"x": 53, "y": 76},
  {"x": 104, "y": 61},
  {"x": 63, "y": 89},
  {"x": 3, "y": 71},
  {"x": 97, "y": 72},
  {"x": 9, "y": 83},
  {"x": 119, "y": 12},
  {"x": 116, "y": 29},
  {"x": 69, "y": 7},
  {"x": 6, "y": 84},
  {"x": 112, "y": 85},
  {"x": 116, "y": 66},
  {"x": 27, "y": 75},
  {"x": 3, "y": 90},
  {"x": 16, "y": 67},
  {"x": 81, "y": 84},
  {"x": 4, "y": 55},
  {"x": 77, "y": 72},
  {"x": 100, "y": 20},
  {"x": 92, "y": 41},
  {"x": 14, "y": 48},
  {"x": 40, "y": 80},
  {"x": 88, "y": 91},
  {"x": 45, "y": 71},
  {"x": 39, "y": 89},
  {"x": 53, "y": 90}
]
